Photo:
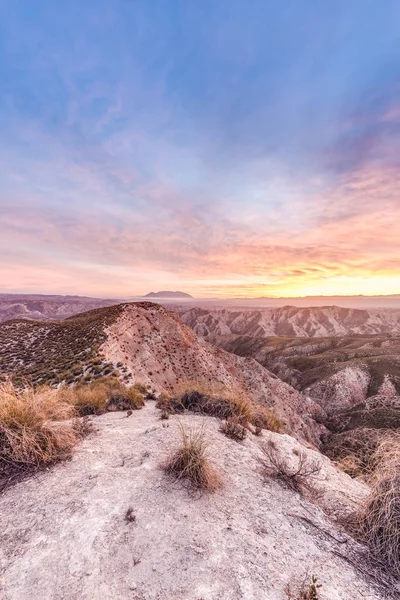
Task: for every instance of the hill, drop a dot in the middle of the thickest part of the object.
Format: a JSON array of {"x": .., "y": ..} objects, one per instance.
[
  {"x": 166, "y": 294},
  {"x": 110, "y": 523},
  {"x": 354, "y": 379},
  {"x": 144, "y": 342},
  {"x": 337, "y": 372},
  {"x": 353, "y": 374}
]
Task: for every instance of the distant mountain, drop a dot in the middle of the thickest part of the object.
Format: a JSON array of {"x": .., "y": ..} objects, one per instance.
[
  {"x": 166, "y": 294},
  {"x": 290, "y": 321},
  {"x": 42, "y": 307}
]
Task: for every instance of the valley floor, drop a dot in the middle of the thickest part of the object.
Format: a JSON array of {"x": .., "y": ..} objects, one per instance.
[{"x": 64, "y": 533}]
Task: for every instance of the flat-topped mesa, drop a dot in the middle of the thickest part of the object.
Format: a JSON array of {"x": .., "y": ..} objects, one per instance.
[{"x": 166, "y": 294}]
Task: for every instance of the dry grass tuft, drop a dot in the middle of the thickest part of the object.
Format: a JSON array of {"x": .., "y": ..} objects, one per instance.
[
  {"x": 232, "y": 428},
  {"x": 36, "y": 429},
  {"x": 125, "y": 399},
  {"x": 164, "y": 416},
  {"x": 141, "y": 388},
  {"x": 298, "y": 476},
  {"x": 104, "y": 395},
  {"x": 265, "y": 418},
  {"x": 190, "y": 463},
  {"x": 379, "y": 520}
]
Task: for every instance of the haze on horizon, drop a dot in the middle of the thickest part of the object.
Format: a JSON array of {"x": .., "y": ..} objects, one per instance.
[{"x": 220, "y": 148}]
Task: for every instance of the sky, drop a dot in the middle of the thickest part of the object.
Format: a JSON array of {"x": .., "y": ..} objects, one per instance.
[{"x": 223, "y": 148}]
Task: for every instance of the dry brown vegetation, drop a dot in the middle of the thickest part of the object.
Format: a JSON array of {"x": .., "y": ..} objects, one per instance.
[
  {"x": 379, "y": 519},
  {"x": 190, "y": 463},
  {"x": 233, "y": 428},
  {"x": 298, "y": 474},
  {"x": 36, "y": 429},
  {"x": 223, "y": 405},
  {"x": 355, "y": 452},
  {"x": 106, "y": 394},
  {"x": 40, "y": 427}
]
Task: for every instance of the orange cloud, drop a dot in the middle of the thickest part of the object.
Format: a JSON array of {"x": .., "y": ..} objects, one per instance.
[{"x": 343, "y": 241}]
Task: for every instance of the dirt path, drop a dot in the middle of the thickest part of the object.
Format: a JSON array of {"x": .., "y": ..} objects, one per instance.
[{"x": 64, "y": 535}]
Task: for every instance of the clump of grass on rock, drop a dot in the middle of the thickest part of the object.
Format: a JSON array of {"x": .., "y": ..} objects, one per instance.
[
  {"x": 380, "y": 517},
  {"x": 190, "y": 463},
  {"x": 232, "y": 428},
  {"x": 223, "y": 405},
  {"x": 37, "y": 428}
]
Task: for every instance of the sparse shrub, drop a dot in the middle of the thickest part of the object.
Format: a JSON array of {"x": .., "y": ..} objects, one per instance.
[
  {"x": 223, "y": 404},
  {"x": 36, "y": 429},
  {"x": 297, "y": 477},
  {"x": 164, "y": 415},
  {"x": 307, "y": 591},
  {"x": 130, "y": 516},
  {"x": 232, "y": 428},
  {"x": 208, "y": 404},
  {"x": 190, "y": 463},
  {"x": 379, "y": 519}
]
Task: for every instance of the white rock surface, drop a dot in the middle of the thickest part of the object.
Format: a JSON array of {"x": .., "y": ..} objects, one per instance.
[{"x": 64, "y": 535}]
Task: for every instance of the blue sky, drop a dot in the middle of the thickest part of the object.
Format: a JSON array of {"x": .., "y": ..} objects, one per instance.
[{"x": 223, "y": 148}]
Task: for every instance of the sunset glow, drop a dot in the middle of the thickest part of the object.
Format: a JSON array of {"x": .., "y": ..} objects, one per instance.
[{"x": 219, "y": 148}]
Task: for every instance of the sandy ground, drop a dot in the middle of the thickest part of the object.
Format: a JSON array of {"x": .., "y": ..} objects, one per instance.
[{"x": 64, "y": 535}]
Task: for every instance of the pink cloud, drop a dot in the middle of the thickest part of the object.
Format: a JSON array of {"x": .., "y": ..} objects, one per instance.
[{"x": 348, "y": 231}]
